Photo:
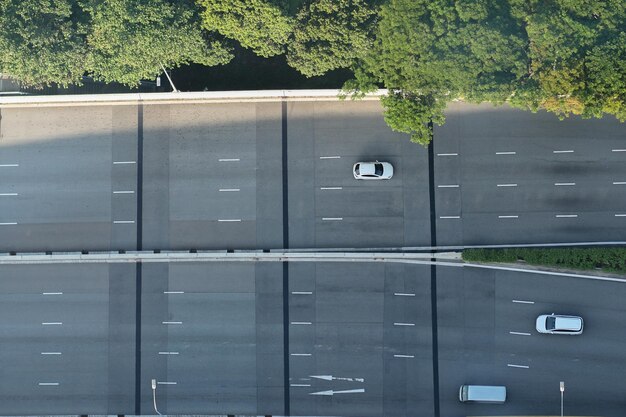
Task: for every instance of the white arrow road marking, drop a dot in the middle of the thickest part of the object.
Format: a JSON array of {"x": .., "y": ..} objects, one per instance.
[
  {"x": 335, "y": 378},
  {"x": 331, "y": 392}
]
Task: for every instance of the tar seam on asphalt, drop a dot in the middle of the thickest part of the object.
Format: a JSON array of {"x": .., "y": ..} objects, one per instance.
[
  {"x": 433, "y": 270},
  {"x": 285, "y": 162},
  {"x": 138, "y": 264}
]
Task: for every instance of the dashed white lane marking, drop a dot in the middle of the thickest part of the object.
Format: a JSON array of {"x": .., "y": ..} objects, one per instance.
[
  {"x": 620, "y": 215},
  {"x": 618, "y": 150},
  {"x": 330, "y": 157},
  {"x": 404, "y": 294},
  {"x": 510, "y": 365},
  {"x": 567, "y": 151},
  {"x": 9, "y": 165},
  {"x": 300, "y": 354},
  {"x": 124, "y": 192},
  {"x": 520, "y": 333},
  {"x": 168, "y": 353},
  {"x": 48, "y": 384},
  {"x": 229, "y": 190},
  {"x": 403, "y": 356},
  {"x": 228, "y": 220},
  {"x": 229, "y": 160},
  {"x": 506, "y": 153},
  {"x": 331, "y": 188},
  {"x": 51, "y": 353},
  {"x": 8, "y": 194},
  {"x": 51, "y": 293},
  {"x": 619, "y": 182},
  {"x": 564, "y": 183},
  {"x": 173, "y": 292},
  {"x": 506, "y": 185},
  {"x": 302, "y": 292},
  {"x": 449, "y": 217},
  {"x": 299, "y": 385},
  {"x": 508, "y": 217},
  {"x": 124, "y": 162},
  {"x": 523, "y": 302},
  {"x": 447, "y": 154},
  {"x": 172, "y": 322},
  {"x": 123, "y": 222},
  {"x": 566, "y": 215},
  {"x": 52, "y": 323},
  {"x": 8, "y": 224},
  {"x": 332, "y": 219},
  {"x": 301, "y": 323},
  {"x": 167, "y": 383},
  {"x": 403, "y": 324},
  {"x": 448, "y": 186}
]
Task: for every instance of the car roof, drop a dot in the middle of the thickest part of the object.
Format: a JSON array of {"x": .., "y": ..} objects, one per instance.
[
  {"x": 567, "y": 323},
  {"x": 367, "y": 168}
]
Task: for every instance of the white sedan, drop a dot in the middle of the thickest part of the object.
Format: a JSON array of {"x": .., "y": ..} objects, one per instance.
[
  {"x": 372, "y": 170},
  {"x": 559, "y": 324}
]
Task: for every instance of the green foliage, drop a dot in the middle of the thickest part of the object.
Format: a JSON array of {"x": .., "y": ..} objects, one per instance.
[
  {"x": 259, "y": 25},
  {"x": 130, "y": 39},
  {"x": 330, "y": 34},
  {"x": 42, "y": 41},
  {"x": 608, "y": 259}
]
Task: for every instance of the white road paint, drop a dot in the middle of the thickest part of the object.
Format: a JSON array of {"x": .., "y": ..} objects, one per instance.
[
  {"x": 508, "y": 217},
  {"x": 523, "y": 302},
  {"x": 566, "y": 215},
  {"x": 8, "y": 224},
  {"x": 403, "y": 324},
  {"x": 229, "y": 160},
  {"x": 332, "y": 219},
  {"x": 510, "y": 365},
  {"x": 300, "y": 354},
  {"x": 520, "y": 333},
  {"x": 447, "y": 154},
  {"x": 567, "y": 151},
  {"x": 330, "y": 157},
  {"x": 506, "y": 185},
  {"x": 331, "y": 188},
  {"x": 167, "y": 383},
  {"x": 448, "y": 186},
  {"x": 619, "y": 182},
  {"x": 52, "y": 323},
  {"x": 124, "y": 192},
  {"x": 449, "y": 217},
  {"x": 404, "y": 294},
  {"x": 123, "y": 222},
  {"x": 8, "y": 194},
  {"x": 299, "y": 385},
  {"x": 302, "y": 292},
  {"x": 564, "y": 184},
  {"x": 124, "y": 162},
  {"x": 620, "y": 215},
  {"x": 173, "y": 292},
  {"x": 345, "y": 391},
  {"x": 229, "y": 220},
  {"x": 168, "y": 353},
  {"x": 337, "y": 378},
  {"x": 618, "y": 150},
  {"x": 229, "y": 190},
  {"x": 51, "y": 353},
  {"x": 48, "y": 384},
  {"x": 9, "y": 165},
  {"x": 297, "y": 323},
  {"x": 172, "y": 322},
  {"x": 51, "y": 293},
  {"x": 403, "y": 356},
  {"x": 506, "y": 153}
]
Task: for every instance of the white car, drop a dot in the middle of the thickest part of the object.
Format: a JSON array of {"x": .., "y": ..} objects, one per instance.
[
  {"x": 559, "y": 324},
  {"x": 372, "y": 170}
]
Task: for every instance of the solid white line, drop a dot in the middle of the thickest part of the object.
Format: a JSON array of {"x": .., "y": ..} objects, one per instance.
[
  {"x": 506, "y": 185},
  {"x": 124, "y": 162},
  {"x": 564, "y": 183},
  {"x": 404, "y": 324},
  {"x": 448, "y": 186},
  {"x": 166, "y": 383},
  {"x": 523, "y": 302},
  {"x": 168, "y": 353},
  {"x": 123, "y": 221},
  {"x": 332, "y": 218},
  {"x": 300, "y": 354},
  {"x": 506, "y": 153},
  {"x": 51, "y": 293},
  {"x": 8, "y": 224},
  {"x": 620, "y": 215},
  {"x": 619, "y": 183},
  {"x": 52, "y": 323},
  {"x": 299, "y": 385},
  {"x": 300, "y": 322},
  {"x": 566, "y": 215},
  {"x": 404, "y": 294},
  {"x": 7, "y": 194},
  {"x": 618, "y": 150},
  {"x": 229, "y": 220},
  {"x": 9, "y": 165},
  {"x": 449, "y": 217},
  {"x": 508, "y": 217},
  {"x": 173, "y": 292},
  {"x": 447, "y": 154},
  {"x": 331, "y": 188},
  {"x": 51, "y": 353},
  {"x": 229, "y": 160},
  {"x": 403, "y": 356},
  {"x": 330, "y": 157},
  {"x": 517, "y": 366},
  {"x": 302, "y": 292},
  {"x": 123, "y": 192},
  {"x": 520, "y": 333},
  {"x": 172, "y": 322},
  {"x": 229, "y": 190},
  {"x": 48, "y": 384},
  {"x": 568, "y": 151}
]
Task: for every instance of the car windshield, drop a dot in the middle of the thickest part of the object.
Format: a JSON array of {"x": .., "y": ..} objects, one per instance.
[
  {"x": 379, "y": 169},
  {"x": 357, "y": 169},
  {"x": 550, "y": 323}
]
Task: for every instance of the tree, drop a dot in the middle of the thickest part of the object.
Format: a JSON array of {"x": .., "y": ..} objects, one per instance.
[
  {"x": 258, "y": 25},
  {"x": 43, "y": 42},
  {"x": 130, "y": 39},
  {"x": 331, "y": 34}
]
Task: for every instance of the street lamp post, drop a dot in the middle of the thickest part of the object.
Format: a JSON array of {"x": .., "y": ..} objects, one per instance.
[
  {"x": 562, "y": 388},
  {"x": 154, "y": 387}
]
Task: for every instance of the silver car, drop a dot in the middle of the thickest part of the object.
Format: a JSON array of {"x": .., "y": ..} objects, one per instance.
[
  {"x": 372, "y": 170},
  {"x": 559, "y": 324}
]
